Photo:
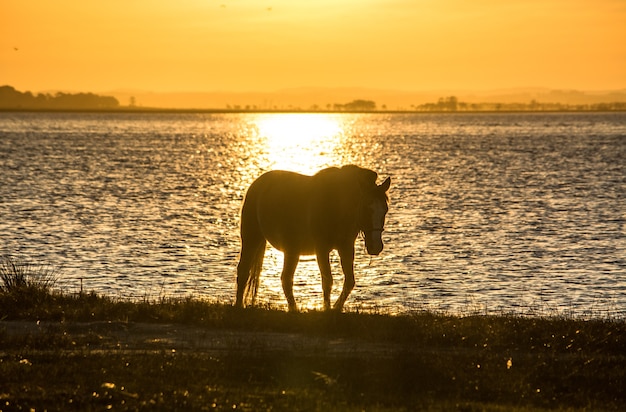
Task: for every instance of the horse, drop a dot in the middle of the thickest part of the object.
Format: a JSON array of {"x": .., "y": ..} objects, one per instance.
[{"x": 310, "y": 215}]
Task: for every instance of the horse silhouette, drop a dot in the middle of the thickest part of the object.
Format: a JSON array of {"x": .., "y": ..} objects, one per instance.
[{"x": 310, "y": 215}]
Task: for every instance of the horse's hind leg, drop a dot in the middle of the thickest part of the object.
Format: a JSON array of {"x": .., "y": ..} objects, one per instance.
[
  {"x": 323, "y": 262},
  {"x": 289, "y": 267}
]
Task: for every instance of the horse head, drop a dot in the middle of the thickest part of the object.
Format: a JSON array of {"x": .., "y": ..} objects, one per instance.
[{"x": 372, "y": 219}]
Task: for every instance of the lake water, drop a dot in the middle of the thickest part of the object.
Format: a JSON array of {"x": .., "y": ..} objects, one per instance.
[{"x": 490, "y": 213}]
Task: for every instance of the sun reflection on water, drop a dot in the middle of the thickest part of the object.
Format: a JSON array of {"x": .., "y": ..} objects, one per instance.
[{"x": 303, "y": 143}]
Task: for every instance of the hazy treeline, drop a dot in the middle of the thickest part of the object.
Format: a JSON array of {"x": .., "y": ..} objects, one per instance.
[
  {"x": 11, "y": 99},
  {"x": 14, "y": 99},
  {"x": 358, "y": 105},
  {"x": 449, "y": 104},
  {"x": 452, "y": 104}
]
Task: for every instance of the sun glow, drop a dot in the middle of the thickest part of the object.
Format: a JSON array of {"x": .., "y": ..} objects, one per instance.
[
  {"x": 203, "y": 46},
  {"x": 303, "y": 143}
]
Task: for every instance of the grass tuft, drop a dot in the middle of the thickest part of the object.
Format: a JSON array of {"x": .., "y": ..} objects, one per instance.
[
  {"x": 25, "y": 277},
  {"x": 26, "y": 284}
]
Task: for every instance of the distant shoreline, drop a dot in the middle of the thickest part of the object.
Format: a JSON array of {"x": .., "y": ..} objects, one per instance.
[
  {"x": 146, "y": 110},
  {"x": 316, "y": 101}
]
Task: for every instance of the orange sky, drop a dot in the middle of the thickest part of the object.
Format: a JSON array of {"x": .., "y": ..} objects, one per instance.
[{"x": 251, "y": 45}]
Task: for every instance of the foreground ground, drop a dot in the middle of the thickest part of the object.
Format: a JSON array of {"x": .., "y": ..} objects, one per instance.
[{"x": 92, "y": 353}]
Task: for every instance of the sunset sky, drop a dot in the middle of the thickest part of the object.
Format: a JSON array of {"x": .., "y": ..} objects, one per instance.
[{"x": 252, "y": 45}]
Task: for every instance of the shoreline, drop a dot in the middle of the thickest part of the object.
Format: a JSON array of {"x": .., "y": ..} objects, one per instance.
[
  {"x": 146, "y": 110},
  {"x": 92, "y": 352}
]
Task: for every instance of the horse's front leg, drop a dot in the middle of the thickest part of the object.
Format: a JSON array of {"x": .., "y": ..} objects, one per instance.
[
  {"x": 323, "y": 262},
  {"x": 289, "y": 267},
  {"x": 347, "y": 265}
]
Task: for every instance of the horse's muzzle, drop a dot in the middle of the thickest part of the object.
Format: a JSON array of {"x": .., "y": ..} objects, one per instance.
[{"x": 374, "y": 242}]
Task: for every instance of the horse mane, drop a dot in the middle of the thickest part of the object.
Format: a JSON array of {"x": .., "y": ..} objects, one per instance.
[
  {"x": 341, "y": 190},
  {"x": 365, "y": 177},
  {"x": 361, "y": 175}
]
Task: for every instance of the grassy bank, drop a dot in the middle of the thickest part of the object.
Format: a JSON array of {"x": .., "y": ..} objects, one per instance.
[{"x": 91, "y": 352}]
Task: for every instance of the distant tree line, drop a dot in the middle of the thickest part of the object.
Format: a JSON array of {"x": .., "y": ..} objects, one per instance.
[
  {"x": 446, "y": 104},
  {"x": 14, "y": 99},
  {"x": 356, "y": 106},
  {"x": 353, "y": 106},
  {"x": 452, "y": 104}
]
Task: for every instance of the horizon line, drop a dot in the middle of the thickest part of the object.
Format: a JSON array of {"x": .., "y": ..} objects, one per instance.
[{"x": 345, "y": 89}]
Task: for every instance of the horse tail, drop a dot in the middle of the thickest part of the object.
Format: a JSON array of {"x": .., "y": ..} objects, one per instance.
[
  {"x": 249, "y": 268},
  {"x": 252, "y": 253},
  {"x": 254, "y": 274}
]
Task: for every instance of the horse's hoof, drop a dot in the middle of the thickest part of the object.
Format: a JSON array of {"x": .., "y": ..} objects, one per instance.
[{"x": 338, "y": 308}]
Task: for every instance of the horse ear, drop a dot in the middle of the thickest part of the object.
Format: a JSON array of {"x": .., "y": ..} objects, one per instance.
[{"x": 385, "y": 185}]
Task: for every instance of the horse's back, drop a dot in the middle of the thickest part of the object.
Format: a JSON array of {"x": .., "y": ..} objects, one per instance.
[{"x": 280, "y": 189}]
